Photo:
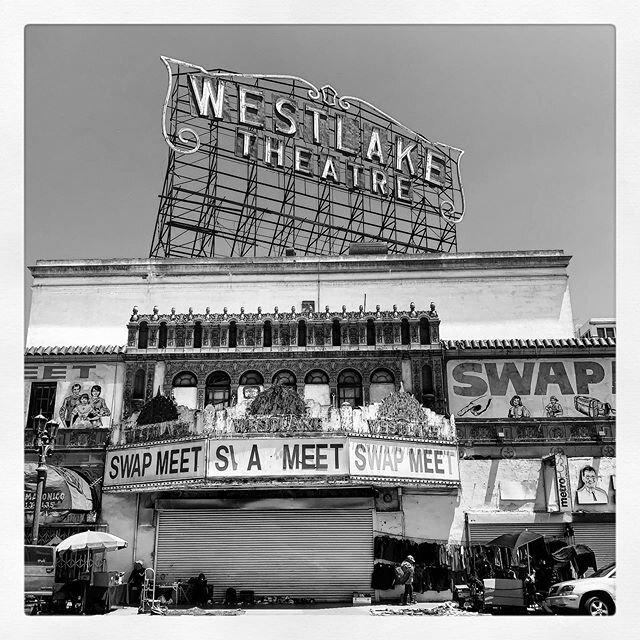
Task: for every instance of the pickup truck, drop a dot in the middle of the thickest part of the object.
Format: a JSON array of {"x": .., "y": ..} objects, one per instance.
[{"x": 39, "y": 577}]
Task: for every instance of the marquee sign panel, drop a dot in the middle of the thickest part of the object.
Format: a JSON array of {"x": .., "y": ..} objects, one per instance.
[{"x": 263, "y": 163}]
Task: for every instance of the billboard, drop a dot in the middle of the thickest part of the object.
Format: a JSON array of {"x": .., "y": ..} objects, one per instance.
[
  {"x": 263, "y": 163},
  {"x": 542, "y": 388}
]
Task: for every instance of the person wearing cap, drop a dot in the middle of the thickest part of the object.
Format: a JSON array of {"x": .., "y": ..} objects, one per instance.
[
  {"x": 408, "y": 566},
  {"x": 136, "y": 580}
]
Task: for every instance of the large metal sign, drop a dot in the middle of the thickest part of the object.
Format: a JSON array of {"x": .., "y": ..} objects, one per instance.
[{"x": 263, "y": 163}]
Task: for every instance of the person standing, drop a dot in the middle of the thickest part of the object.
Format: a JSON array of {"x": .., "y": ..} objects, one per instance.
[
  {"x": 136, "y": 581},
  {"x": 408, "y": 566},
  {"x": 69, "y": 404}
]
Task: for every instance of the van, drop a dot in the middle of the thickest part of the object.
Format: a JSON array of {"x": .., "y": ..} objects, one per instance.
[{"x": 39, "y": 570}]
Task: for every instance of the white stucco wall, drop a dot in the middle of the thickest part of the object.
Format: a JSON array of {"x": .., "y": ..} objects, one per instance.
[{"x": 478, "y": 296}]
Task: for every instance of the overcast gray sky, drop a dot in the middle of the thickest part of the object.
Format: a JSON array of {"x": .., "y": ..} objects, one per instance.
[{"x": 532, "y": 106}]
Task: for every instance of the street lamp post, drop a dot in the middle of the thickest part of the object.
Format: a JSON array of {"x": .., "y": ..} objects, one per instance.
[{"x": 43, "y": 444}]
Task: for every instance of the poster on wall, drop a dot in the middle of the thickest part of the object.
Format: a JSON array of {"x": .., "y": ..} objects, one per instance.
[
  {"x": 592, "y": 483},
  {"x": 82, "y": 394},
  {"x": 542, "y": 388}
]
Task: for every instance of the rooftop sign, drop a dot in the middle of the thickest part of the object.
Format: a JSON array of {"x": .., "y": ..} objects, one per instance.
[{"x": 262, "y": 163}]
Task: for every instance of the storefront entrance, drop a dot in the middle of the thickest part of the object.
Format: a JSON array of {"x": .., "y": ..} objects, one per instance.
[{"x": 324, "y": 554}]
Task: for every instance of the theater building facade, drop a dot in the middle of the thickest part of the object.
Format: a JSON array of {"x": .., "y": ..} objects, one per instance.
[{"x": 407, "y": 368}]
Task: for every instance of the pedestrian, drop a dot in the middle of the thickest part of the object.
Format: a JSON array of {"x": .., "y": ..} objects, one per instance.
[
  {"x": 199, "y": 593},
  {"x": 408, "y": 567},
  {"x": 136, "y": 581}
]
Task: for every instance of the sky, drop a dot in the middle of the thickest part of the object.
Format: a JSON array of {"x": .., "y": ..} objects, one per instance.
[{"x": 533, "y": 108}]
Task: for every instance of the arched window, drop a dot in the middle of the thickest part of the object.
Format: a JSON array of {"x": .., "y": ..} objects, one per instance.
[
  {"x": 350, "y": 388},
  {"x": 317, "y": 376},
  {"x": 251, "y": 378},
  {"x": 267, "y": 334},
  {"x": 185, "y": 379},
  {"x": 428, "y": 391},
  {"x": 382, "y": 385},
  {"x": 285, "y": 378},
  {"x": 371, "y": 333},
  {"x": 185, "y": 389},
  {"x": 336, "y": 338},
  {"x": 424, "y": 331},
  {"x": 405, "y": 337},
  {"x": 302, "y": 333},
  {"x": 162, "y": 336},
  {"x": 233, "y": 335},
  {"x": 218, "y": 390},
  {"x": 197, "y": 336},
  {"x": 382, "y": 376},
  {"x": 138, "y": 385},
  {"x": 143, "y": 335}
]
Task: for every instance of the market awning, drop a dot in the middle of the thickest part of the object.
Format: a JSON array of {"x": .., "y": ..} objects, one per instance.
[{"x": 65, "y": 490}]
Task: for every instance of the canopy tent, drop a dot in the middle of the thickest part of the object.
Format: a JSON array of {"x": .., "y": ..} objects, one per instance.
[
  {"x": 65, "y": 490},
  {"x": 517, "y": 540},
  {"x": 582, "y": 555}
]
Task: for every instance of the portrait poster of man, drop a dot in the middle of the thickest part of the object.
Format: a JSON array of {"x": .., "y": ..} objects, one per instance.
[{"x": 588, "y": 491}]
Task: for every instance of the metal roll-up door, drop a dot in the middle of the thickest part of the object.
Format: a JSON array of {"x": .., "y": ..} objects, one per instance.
[
  {"x": 482, "y": 532},
  {"x": 325, "y": 554},
  {"x": 600, "y": 537}
]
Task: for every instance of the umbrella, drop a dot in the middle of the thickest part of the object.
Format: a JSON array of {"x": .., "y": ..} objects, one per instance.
[
  {"x": 516, "y": 540},
  {"x": 92, "y": 540}
]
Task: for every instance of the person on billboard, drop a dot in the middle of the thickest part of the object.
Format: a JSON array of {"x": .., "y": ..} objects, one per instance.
[
  {"x": 589, "y": 492},
  {"x": 554, "y": 408},
  {"x": 69, "y": 404},
  {"x": 517, "y": 409},
  {"x": 82, "y": 414},
  {"x": 98, "y": 405}
]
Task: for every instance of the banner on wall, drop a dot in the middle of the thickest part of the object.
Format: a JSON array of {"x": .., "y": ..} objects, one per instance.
[
  {"x": 176, "y": 461},
  {"x": 403, "y": 460},
  {"x": 83, "y": 392},
  {"x": 278, "y": 457},
  {"x": 541, "y": 388}
]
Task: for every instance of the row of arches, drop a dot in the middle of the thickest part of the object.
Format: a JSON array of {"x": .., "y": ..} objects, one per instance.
[
  {"x": 267, "y": 334},
  {"x": 349, "y": 388}
]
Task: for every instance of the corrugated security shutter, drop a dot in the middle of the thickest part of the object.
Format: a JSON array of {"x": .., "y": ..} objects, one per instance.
[
  {"x": 481, "y": 533},
  {"x": 600, "y": 536},
  {"x": 325, "y": 554}
]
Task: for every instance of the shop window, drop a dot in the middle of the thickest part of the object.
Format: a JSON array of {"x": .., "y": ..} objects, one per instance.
[
  {"x": 139, "y": 384},
  {"x": 143, "y": 335},
  {"x": 253, "y": 378},
  {"x": 428, "y": 391},
  {"x": 350, "y": 388},
  {"x": 405, "y": 337},
  {"x": 267, "y": 334},
  {"x": 371, "y": 333},
  {"x": 285, "y": 378},
  {"x": 184, "y": 389},
  {"x": 317, "y": 376},
  {"x": 233, "y": 335},
  {"x": 218, "y": 390},
  {"x": 302, "y": 333},
  {"x": 197, "y": 335},
  {"x": 42, "y": 401},
  {"x": 424, "y": 331},
  {"x": 162, "y": 336}
]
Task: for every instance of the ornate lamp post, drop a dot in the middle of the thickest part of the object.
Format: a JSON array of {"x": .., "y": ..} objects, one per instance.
[{"x": 43, "y": 444}]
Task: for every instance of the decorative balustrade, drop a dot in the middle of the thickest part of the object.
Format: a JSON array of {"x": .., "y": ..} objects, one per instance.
[
  {"x": 531, "y": 431},
  {"x": 74, "y": 438},
  {"x": 336, "y": 422}
]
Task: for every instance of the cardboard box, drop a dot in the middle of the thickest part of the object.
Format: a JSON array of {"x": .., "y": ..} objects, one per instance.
[{"x": 362, "y": 597}]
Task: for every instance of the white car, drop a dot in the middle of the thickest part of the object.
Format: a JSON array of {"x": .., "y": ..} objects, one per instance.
[{"x": 594, "y": 596}]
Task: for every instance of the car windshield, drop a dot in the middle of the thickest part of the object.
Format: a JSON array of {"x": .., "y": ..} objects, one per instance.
[{"x": 601, "y": 572}]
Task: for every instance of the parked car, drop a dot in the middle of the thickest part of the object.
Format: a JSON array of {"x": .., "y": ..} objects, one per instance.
[
  {"x": 594, "y": 596},
  {"x": 39, "y": 577}
]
